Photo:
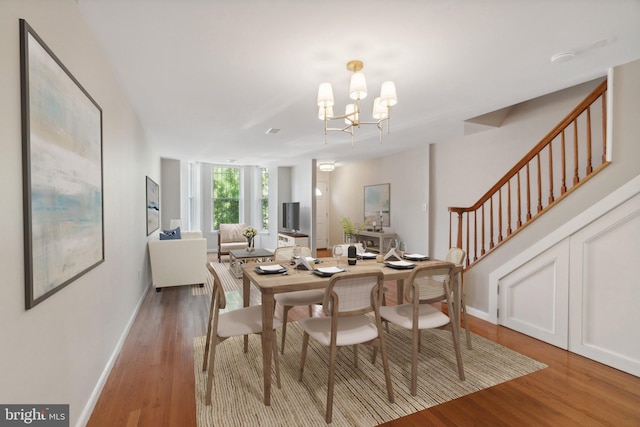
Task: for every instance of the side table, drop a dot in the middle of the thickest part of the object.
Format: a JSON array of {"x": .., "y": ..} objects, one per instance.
[{"x": 237, "y": 257}]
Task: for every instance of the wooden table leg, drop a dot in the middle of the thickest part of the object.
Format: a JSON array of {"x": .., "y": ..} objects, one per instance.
[
  {"x": 246, "y": 292},
  {"x": 399, "y": 291},
  {"x": 268, "y": 306}
]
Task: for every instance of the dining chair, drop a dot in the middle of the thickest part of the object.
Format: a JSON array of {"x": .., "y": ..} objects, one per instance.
[
  {"x": 418, "y": 314},
  {"x": 288, "y": 300},
  {"x": 347, "y": 300},
  {"x": 434, "y": 291},
  {"x": 243, "y": 321}
]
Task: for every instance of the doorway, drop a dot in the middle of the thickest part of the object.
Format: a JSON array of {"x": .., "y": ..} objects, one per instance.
[{"x": 322, "y": 215}]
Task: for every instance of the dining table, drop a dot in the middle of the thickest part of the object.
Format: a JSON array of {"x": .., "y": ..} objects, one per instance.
[{"x": 297, "y": 279}]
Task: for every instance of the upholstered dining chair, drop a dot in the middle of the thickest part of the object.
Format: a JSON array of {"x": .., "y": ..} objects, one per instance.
[
  {"x": 347, "y": 300},
  {"x": 434, "y": 288},
  {"x": 288, "y": 300},
  {"x": 243, "y": 321},
  {"x": 418, "y": 314}
]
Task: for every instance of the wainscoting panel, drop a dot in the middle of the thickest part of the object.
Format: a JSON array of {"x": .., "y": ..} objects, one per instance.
[
  {"x": 579, "y": 287},
  {"x": 605, "y": 289},
  {"x": 534, "y": 297}
]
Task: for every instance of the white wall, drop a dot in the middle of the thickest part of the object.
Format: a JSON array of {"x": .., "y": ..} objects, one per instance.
[
  {"x": 303, "y": 190},
  {"x": 408, "y": 176},
  {"x": 57, "y": 351},
  {"x": 465, "y": 169},
  {"x": 170, "y": 189},
  {"x": 458, "y": 172}
]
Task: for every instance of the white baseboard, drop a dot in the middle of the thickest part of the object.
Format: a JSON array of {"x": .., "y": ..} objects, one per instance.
[
  {"x": 479, "y": 314},
  {"x": 97, "y": 390}
]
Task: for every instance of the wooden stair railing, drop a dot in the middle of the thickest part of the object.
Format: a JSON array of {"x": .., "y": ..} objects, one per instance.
[{"x": 508, "y": 207}]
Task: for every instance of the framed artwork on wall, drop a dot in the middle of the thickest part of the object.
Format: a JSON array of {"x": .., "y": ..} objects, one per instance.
[
  {"x": 153, "y": 206},
  {"x": 377, "y": 204},
  {"x": 62, "y": 172}
]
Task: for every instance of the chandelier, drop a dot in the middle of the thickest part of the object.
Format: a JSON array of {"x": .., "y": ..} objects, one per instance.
[{"x": 357, "y": 92}]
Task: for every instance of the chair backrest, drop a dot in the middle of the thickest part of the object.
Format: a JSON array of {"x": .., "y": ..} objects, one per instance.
[
  {"x": 285, "y": 253},
  {"x": 217, "y": 292},
  {"x": 455, "y": 255},
  {"x": 350, "y": 294},
  {"x": 419, "y": 287},
  {"x": 230, "y": 233}
]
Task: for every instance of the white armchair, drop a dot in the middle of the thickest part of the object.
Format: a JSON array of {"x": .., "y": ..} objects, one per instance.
[
  {"x": 230, "y": 237},
  {"x": 178, "y": 262}
]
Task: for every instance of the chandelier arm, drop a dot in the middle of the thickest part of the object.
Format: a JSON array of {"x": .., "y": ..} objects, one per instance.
[
  {"x": 326, "y": 130},
  {"x": 344, "y": 129}
]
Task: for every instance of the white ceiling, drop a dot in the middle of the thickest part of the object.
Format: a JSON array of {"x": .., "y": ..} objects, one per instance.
[{"x": 209, "y": 78}]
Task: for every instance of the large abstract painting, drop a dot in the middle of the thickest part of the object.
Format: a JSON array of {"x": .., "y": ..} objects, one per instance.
[
  {"x": 62, "y": 167},
  {"x": 153, "y": 206},
  {"x": 377, "y": 204}
]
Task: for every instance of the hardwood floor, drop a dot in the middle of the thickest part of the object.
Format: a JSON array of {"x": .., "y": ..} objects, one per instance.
[{"x": 152, "y": 382}]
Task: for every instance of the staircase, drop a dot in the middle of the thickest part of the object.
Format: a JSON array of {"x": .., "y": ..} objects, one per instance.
[{"x": 574, "y": 151}]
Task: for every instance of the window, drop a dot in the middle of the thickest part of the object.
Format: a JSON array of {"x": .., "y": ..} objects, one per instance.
[
  {"x": 264, "y": 197},
  {"x": 225, "y": 196},
  {"x": 191, "y": 221}
]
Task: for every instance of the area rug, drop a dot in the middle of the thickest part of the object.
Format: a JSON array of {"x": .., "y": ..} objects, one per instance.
[
  {"x": 229, "y": 282},
  {"x": 360, "y": 397}
]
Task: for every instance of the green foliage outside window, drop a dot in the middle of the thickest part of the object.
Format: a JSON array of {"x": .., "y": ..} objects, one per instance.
[{"x": 226, "y": 196}]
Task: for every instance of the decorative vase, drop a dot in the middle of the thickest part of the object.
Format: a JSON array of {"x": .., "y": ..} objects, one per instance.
[{"x": 249, "y": 244}]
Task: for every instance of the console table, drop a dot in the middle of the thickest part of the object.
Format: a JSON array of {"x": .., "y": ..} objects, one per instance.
[
  {"x": 380, "y": 240},
  {"x": 292, "y": 239}
]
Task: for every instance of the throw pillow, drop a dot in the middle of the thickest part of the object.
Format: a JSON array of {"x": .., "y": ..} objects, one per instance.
[{"x": 171, "y": 234}]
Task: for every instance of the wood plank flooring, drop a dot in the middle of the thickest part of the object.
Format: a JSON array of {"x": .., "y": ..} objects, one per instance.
[{"x": 152, "y": 382}]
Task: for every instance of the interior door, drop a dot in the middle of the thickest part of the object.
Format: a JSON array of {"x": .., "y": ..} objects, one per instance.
[{"x": 322, "y": 215}]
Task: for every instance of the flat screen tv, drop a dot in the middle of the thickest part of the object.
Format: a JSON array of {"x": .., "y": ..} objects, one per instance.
[{"x": 291, "y": 216}]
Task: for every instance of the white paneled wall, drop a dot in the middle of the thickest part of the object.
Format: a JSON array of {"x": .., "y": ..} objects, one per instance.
[
  {"x": 534, "y": 297},
  {"x": 582, "y": 292},
  {"x": 605, "y": 289}
]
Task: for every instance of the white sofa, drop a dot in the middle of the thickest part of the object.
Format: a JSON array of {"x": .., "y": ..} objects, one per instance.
[{"x": 179, "y": 262}]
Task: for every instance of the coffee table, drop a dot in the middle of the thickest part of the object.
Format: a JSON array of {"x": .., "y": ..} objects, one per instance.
[{"x": 237, "y": 257}]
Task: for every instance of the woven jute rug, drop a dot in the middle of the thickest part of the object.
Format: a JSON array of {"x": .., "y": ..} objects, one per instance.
[
  {"x": 229, "y": 282},
  {"x": 360, "y": 397}
]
